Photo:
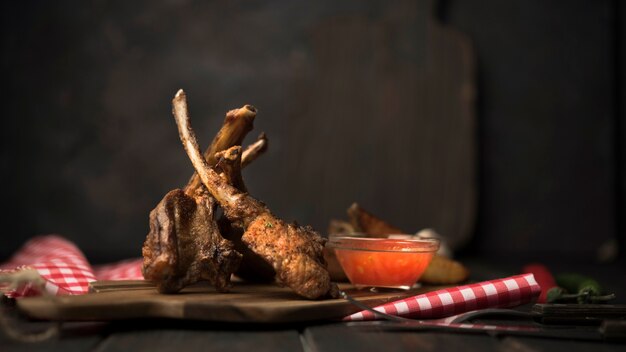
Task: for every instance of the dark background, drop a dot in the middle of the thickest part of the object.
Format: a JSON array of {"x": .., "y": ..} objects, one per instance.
[{"x": 89, "y": 146}]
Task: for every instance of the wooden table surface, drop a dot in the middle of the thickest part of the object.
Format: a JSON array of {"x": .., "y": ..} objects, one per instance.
[{"x": 176, "y": 335}]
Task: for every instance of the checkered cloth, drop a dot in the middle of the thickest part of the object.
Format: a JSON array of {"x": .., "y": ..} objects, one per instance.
[
  {"x": 62, "y": 266},
  {"x": 508, "y": 292}
]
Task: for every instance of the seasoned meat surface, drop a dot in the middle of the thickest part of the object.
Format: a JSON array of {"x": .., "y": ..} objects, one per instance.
[
  {"x": 293, "y": 251},
  {"x": 184, "y": 245}
]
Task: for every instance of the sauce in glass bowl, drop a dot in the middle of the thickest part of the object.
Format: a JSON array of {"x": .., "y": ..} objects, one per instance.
[{"x": 381, "y": 262}]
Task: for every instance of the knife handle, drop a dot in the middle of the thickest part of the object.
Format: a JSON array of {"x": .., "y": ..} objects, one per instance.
[{"x": 579, "y": 313}]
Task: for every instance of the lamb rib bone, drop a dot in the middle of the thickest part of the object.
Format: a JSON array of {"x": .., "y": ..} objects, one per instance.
[
  {"x": 294, "y": 252},
  {"x": 237, "y": 124},
  {"x": 254, "y": 150}
]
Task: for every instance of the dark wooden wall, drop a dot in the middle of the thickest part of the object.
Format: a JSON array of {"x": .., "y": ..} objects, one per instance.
[
  {"x": 549, "y": 122},
  {"x": 88, "y": 146},
  {"x": 620, "y": 121}
]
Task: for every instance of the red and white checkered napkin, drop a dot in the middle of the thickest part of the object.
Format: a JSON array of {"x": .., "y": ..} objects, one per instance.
[
  {"x": 129, "y": 269},
  {"x": 501, "y": 293},
  {"x": 63, "y": 268}
]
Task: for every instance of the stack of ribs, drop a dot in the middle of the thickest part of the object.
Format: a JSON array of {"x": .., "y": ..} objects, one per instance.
[{"x": 188, "y": 242}]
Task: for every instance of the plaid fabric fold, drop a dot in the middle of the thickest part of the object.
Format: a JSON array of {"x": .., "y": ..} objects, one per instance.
[
  {"x": 62, "y": 266},
  {"x": 501, "y": 293},
  {"x": 129, "y": 269}
]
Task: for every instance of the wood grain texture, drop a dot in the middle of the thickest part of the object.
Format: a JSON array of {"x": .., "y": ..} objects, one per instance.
[
  {"x": 539, "y": 344},
  {"x": 390, "y": 98},
  {"x": 620, "y": 125},
  {"x": 546, "y": 122},
  {"x": 199, "y": 340},
  {"x": 73, "y": 344},
  {"x": 338, "y": 337},
  {"x": 248, "y": 303}
]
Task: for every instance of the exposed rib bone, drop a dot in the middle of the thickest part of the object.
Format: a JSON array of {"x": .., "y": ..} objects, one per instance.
[
  {"x": 254, "y": 150},
  {"x": 228, "y": 196},
  {"x": 237, "y": 124}
]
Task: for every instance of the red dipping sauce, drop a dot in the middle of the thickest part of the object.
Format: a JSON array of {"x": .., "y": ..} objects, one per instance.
[{"x": 381, "y": 262}]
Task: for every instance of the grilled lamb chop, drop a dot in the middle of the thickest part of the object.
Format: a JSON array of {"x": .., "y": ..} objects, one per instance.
[
  {"x": 294, "y": 252},
  {"x": 184, "y": 244},
  {"x": 253, "y": 267}
]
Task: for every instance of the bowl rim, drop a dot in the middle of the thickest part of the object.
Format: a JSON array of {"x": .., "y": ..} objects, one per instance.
[{"x": 352, "y": 243}]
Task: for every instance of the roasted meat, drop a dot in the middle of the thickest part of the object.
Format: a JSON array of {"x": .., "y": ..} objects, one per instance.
[
  {"x": 366, "y": 222},
  {"x": 294, "y": 252},
  {"x": 184, "y": 244},
  {"x": 229, "y": 163}
]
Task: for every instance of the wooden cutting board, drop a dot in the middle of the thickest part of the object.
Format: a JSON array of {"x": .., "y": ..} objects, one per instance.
[{"x": 250, "y": 303}]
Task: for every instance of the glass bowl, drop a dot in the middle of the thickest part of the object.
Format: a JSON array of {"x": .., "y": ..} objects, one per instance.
[{"x": 383, "y": 262}]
